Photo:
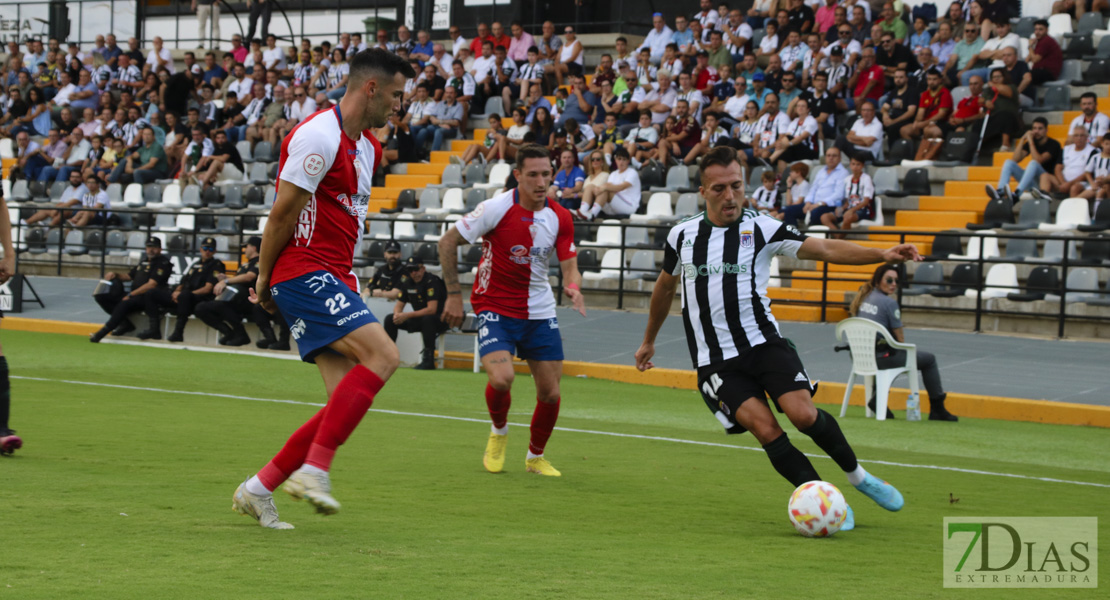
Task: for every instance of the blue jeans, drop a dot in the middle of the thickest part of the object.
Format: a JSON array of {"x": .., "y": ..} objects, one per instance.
[
  {"x": 59, "y": 174},
  {"x": 420, "y": 134},
  {"x": 337, "y": 93},
  {"x": 1027, "y": 178},
  {"x": 441, "y": 134}
]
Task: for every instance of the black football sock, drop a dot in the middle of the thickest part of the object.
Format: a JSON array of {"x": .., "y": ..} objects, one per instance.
[
  {"x": 826, "y": 433},
  {"x": 5, "y": 394},
  {"x": 789, "y": 461}
]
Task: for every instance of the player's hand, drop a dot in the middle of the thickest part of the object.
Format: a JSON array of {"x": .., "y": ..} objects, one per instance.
[
  {"x": 453, "y": 311},
  {"x": 577, "y": 298},
  {"x": 901, "y": 253},
  {"x": 7, "y": 267},
  {"x": 643, "y": 356},
  {"x": 260, "y": 295}
]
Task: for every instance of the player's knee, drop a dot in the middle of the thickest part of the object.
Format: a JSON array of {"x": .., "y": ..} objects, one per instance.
[
  {"x": 501, "y": 382},
  {"x": 549, "y": 396},
  {"x": 765, "y": 431},
  {"x": 802, "y": 416}
]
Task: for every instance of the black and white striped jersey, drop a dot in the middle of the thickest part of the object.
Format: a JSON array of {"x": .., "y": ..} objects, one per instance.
[
  {"x": 725, "y": 270},
  {"x": 766, "y": 199},
  {"x": 1098, "y": 165}
]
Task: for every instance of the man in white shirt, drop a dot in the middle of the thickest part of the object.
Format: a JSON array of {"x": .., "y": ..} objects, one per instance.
[
  {"x": 660, "y": 101},
  {"x": 158, "y": 57},
  {"x": 61, "y": 98},
  {"x": 1070, "y": 175},
  {"x": 273, "y": 57},
  {"x": 850, "y": 47},
  {"x": 866, "y": 134},
  {"x": 618, "y": 197},
  {"x": 992, "y": 50},
  {"x": 69, "y": 198},
  {"x": 736, "y": 104},
  {"x": 1094, "y": 122},
  {"x": 658, "y": 38},
  {"x": 708, "y": 16},
  {"x": 687, "y": 91},
  {"x": 770, "y": 126},
  {"x": 242, "y": 86},
  {"x": 96, "y": 198},
  {"x": 484, "y": 63}
]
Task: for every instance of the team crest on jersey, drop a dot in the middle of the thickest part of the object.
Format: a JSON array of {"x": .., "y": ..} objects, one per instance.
[{"x": 747, "y": 239}]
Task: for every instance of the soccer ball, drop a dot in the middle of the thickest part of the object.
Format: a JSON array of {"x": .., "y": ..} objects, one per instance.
[{"x": 817, "y": 509}]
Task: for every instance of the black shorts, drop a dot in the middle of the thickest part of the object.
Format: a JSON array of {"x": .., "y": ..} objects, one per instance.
[{"x": 770, "y": 369}]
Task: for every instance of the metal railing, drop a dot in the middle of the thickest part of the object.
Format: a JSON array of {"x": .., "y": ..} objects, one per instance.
[{"x": 642, "y": 236}]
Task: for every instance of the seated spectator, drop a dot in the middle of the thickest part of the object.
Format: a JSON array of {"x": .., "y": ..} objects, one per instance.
[
  {"x": 570, "y": 58},
  {"x": 1071, "y": 174},
  {"x": 513, "y": 139},
  {"x": 790, "y": 89},
  {"x": 97, "y": 150},
  {"x": 96, "y": 202},
  {"x": 76, "y": 153},
  {"x": 272, "y": 118},
  {"x": 966, "y": 114},
  {"x": 991, "y": 54},
  {"x": 661, "y": 100},
  {"x": 619, "y": 197},
  {"x": 196, "y": 156},
  {"x": 391, "y": 277},
  {"x": 933, "y": 107},
  {"x": 225, "y": 163},
  {"x": 1000, "y": 100},
  {"x": 1078, "y": 8},
  {"x": 769, "y": 44},
  {"x": 252, "y": 113},
  {"x": 793, "y": 53},
  {"x": 642, "y": 142},
  {"x": 744, "y": 132},
  {"x": 1097, "y": 124},
  {"x": 737, "y": 35},
  {"x": 943, "y": 44},
  {"x": 712, "y": 135},
  {"x": 447, "y": 118},
  {"x": 110, "y": 160},
  {"x": 797, "y": 187},
  {"x": 859, "y": 196},
  {"x": 876, "y": 302},
  {"x": 747, "y": 68},
  {"x": 838, "y": 78},
  {"x": 427, "y": 295},
  {"x": 893, "y": 24},
  {"x": 799, "y": 141},
  {"x": 695, "y": 102},
  {"x": 920, "y": 38},
  {"x": 772, "y": 75},
  {"x": 70, "y": 197},
  {"x": 822, "y": 105},
  {"x": 1098, "y": 174},
  {"x": 1046, "y": 160},
  {"x": 867, "y": 82},
  {"x": 609, "y": 136},
  {"x": 965, "y": 55},
  {"x": 926, "y": 62},
  {"x": 535, "y": 100},
  {"x": 607, "y": 103},
  {"x": 865, "y": 135},
  {"x": 730, "y": 98},
  {"x": 33, "y": 158},
  {"x": 892, "y": 55},
  {"x": 758, "y": 90},
  {"x": 150, "y": 275},
  {"x": 36, "y": 120},
  {"x": 760, "y": 12},
  {"x": 581, "y": 137},
  {"x": 955, "y": 19},
  {"x": 765, "y": 198},
  {"x": 861, "y": 25},
  {"x": 543, "y": 128},
  {"x": 145, "y": 165},
  {"x": 490, "y": 148},
  {"x": 597, "y": 170},
  {"x": 772, "y": 124},
  {"x": 299, "y": 109},
  {"x": 825, "y": 195},
  {"x": 899, "y": 105},
  {"x": 994, "y": 14},
  {"x": 196, "y": 286},
  {"x": 569, "y": 181},
  {"x": 339, "y": 71},
  {"x": 678, "y": 141},
  {"x": 530, "y": 74}
]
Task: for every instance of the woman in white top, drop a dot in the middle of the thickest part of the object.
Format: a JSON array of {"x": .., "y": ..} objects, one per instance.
[
  {"x": 338, "y": 73},
  {"x": 797, "y": 188},
  {"x": 800, "y": 140},
  {"x": 618, "y": 197},
  {"x": 570, "y": 57},
  {"x": 745, "y": 130},
  {"x": 597, "y": 170},
  {"x": 514, "y": 138}
]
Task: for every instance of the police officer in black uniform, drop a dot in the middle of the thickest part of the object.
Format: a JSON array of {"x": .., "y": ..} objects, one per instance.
[
  {"x": 151, "y": 275},
  {"x": 195, "y": 287},
  {"x": 391, "y": 277},
  {"x": 225, "y": 313},
  {"x": 426, "y": 293}
]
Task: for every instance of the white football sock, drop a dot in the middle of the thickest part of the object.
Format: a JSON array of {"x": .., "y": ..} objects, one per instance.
[
  {"x": 311, "y": 470},
  {"x": 500, "y": 430},
  {"x": 595, "y": 210},
  {"x": 856, "y": 477},
  {"x": 531, "y": 456},
  {"x": 254, "y": 486},
  {"x": 633, "y": 162},
  {"x": 584, "y": 208},
  {"x": 608, "y": 159}
]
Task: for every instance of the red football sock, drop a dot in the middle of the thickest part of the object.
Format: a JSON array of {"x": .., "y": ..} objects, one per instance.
[
  {"x": 543, "y": 422},
  {"x": 292, "y": 455},
  {"x": 346, "y": 407},
  {"x": 498, "y": 403}
]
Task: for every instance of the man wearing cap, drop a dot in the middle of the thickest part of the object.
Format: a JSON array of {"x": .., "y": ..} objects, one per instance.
[
  {"x": 195, "y": 287},
  {"x": 225, "y": 313},
  {"x": 390, "y": 277},
  {"x": 425, "y": 292},
  {"x": 151, "y": 274}
]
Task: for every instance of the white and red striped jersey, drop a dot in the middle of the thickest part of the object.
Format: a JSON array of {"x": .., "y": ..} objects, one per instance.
[
  {"x": 318, "y": 157},
  {"x": 516, "y": 243}
]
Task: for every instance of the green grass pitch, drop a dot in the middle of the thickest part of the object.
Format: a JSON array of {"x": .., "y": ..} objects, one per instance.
[{"x": 126, "y": 493}]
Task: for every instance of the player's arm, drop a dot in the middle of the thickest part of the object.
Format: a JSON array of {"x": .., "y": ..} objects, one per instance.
[
  {"x": 449, "y": 263},
  {"x": 291, "y": 200},
  {"x": 842, "y": 252},
  {"x": 572, "y": 283},
  {"x": 662, "y": 297},
  {"x": 7, "y": 265}
]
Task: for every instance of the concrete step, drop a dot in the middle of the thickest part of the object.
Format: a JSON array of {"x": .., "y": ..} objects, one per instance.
[
  {"x": 433, "y": 169},
  {"x": 376, "y": 206},
  {"x": 443, "y": 156},
  {"x": 410, "y": 181},
  {"x": 935, "y": 219},
  {"x": 969, "y": 189},
  {"x": 985, "y": 174},
  {"x": 950, "y": 203},
  {"x": 385, "y": 193}
]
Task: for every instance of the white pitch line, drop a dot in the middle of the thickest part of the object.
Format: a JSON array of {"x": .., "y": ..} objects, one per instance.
[{"x": 635, "y": 436}]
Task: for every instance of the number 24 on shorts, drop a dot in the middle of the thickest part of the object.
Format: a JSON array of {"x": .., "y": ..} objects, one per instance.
[{"x": 336, "y": 304}]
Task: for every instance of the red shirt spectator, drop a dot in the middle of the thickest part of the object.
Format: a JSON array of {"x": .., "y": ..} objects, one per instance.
[
  {"x": 934, "y": 102},
  {"x": 875, "y": 73},
  {"x": 476, "y": 44},
  {"x": 1052, "y": 58},
  {"x": 504, "y": 41},
  {"x": 966, "y": 108},
  {"x": 693, "y": 131}
]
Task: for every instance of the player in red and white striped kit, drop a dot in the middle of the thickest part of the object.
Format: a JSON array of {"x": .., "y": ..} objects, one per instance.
[
  {"x": 305, "y": 270},
  {"x": 519, "y": 229}
]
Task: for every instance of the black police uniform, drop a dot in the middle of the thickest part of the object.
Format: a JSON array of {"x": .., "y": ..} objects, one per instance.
[
  {"x": 115, "y": 304},
  {"x": 419, "y": 295},
  {"x": 388, "y": 278},
  {"x": 226, "y": 315},
  {"x": 202, "y": 272}
]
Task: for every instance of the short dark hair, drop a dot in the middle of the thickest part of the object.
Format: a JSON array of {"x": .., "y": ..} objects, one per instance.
[
  {"x": 721, "y": 156},
  {"x": 1042, "y": 22},
  {"x": 1042, "y": 121},
  {"x": 1091, "y": 95},
  {"x": 622, "y": 39},
  {"x": 621, "y": 152},
  {"x": 377, "y": 60},
  {"x": 530, "y": 151}
]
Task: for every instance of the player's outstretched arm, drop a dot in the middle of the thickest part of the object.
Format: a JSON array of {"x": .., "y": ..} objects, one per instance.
[
  {"x": 572, "y": 284},
  {"x": 449, "y": 263},
  {"x": 847, "y": 253},
  {"x": 662, "y": 296},
  {"x": 287, "y": 208}
]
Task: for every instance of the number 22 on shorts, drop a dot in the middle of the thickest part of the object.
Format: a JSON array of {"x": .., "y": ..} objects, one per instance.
[{"x": 336, "y": 304}]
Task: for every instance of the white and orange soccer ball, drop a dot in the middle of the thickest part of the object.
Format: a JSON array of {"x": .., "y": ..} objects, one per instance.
[{"x": 817, "y": 509}]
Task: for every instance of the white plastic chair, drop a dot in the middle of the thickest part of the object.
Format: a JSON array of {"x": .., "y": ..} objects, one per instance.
[
  {"x": 133, "y": 195},
  {"x": 609, "y": 234},
  {"x": 497, "y": 177},
  {"x": 7, "y": 148},
  {"x": 1071, "y": 213},
  {"x": 452, "y": 201},
  {"x": 1058, "y": 25},
  {"x": 658, "y": 208},
  {"x": 611, "y": 265},
  {"x": 1001, "y": 280},
  {"x": 774, "y": 280},
  {"x": 979, "y": 245},
  {"x": 860, "y": 335},
  {"x": 878, "y": 221}
]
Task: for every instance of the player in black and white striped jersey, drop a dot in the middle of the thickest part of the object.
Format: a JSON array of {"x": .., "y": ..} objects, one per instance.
[{"x": 722, "y": 258}]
